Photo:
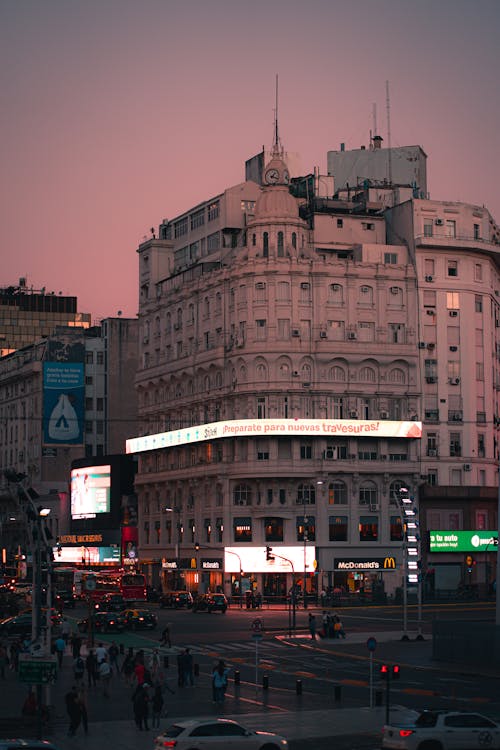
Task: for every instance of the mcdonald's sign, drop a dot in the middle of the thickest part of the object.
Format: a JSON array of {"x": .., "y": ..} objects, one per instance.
[{"x": 390, "y": 562}]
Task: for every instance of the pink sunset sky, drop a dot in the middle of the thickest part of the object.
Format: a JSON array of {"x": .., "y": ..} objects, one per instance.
[{"x": 117, "y": 114}]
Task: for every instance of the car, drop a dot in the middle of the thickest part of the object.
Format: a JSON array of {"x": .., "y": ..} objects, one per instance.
[
  {"x": 442, "y": 730},
  {"x": 18, "y": 626},
  {"x": 140, "y": 619},
  {"x": 103, "y": 622},
  {"x": 176, "y": 599},
  {"x": 217, "y": 733},
  {"x": 67, "y": 598},
  {"x": 210, "y": 603},
  {"x": 26, "y": 745},
  {"x": 111, "y": 603}
]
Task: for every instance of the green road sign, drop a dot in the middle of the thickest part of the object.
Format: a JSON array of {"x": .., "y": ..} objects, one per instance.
[{"x": 37, "y": 671}]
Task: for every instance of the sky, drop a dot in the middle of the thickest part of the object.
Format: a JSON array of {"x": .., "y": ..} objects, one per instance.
[{"x": 116, "y": 114}]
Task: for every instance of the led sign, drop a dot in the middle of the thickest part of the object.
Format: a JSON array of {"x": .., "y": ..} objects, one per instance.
[{"x": 463, "y": 541}]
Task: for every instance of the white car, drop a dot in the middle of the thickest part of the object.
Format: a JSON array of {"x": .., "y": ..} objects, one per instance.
[
  {"x": 216, "y": 734},
  {"x": 443, "y": 730}
]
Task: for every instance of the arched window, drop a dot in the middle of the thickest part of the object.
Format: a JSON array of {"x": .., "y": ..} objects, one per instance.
[
  {"x": 336, "y": 293},
  {"x": 306, "y": 494},
  {"x": 367, "y": 375},
  {"x": 284, "y": 370},
  {"x": 179, "y": 317},
  {"x": 191, "y": 313},
  {"x": 294, "y": 240},
  {"x": 306, "y": 372},
  {"x": 207, "y": 383},
  {"x": 281, "y": 247},
  {"x": 218, "y": 380},
  {"x": 265, "y": 248},
  {"x": 337, "y": 374},
  {"x": 261, "y": 370},
  {"x": 242, "y": 494},
  {"x": 396, "y": 375},
  {"x": 254, "y": 239},
  {"x": 218, "y": 302}
]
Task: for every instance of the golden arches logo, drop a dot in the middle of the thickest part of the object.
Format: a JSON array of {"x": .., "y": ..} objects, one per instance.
[{"x": 390, "y": 562}]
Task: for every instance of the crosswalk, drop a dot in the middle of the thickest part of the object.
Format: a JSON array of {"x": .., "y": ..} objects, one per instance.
[{"x": 237, "y": 648}]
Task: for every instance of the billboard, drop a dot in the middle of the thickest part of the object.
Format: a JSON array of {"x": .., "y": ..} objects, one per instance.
[
  {"x": 463, "y": 541},
  {"x": 90, "y": 491},
  {"x": 286, "y": 559},
  {"x": 63, "y": 403},
  {"x": 281, "y": 427}
]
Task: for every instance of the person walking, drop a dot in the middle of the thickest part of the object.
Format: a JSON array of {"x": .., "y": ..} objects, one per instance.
[
  {"x": 60, "y": 647},
  {"x": 128, "y": 667},
  {"x": 105, "y": 676},
  {"x": 113, "y": 652},
  {"x": 76, "y": 644},
  {"x": 101, "y": 653},
  {"x": 187, "y": 668},
  {"x": 91, "y": 667},
  {"x": 219, "y": 682},
  {"x": 338, "y": 627},
  {"x": 165, "y": 637},
  {"x": 65, "y": 629},
  {"x": 140, "y": 700},
  {"x": 312, "y": 626},
  {"x": 82, "y": 702},
  {"x": 157, "y": 705},
  {"x": 78, "y": 671},
  {"x": 74, "y": 711}
]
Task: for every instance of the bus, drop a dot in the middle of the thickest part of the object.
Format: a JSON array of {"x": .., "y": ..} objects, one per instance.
[{"x": 131, "y": 585}]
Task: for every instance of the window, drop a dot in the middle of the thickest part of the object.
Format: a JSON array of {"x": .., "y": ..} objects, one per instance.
[
  {"x": 428, "y": 227},
  {"x": 368, "y": 494},
  {"x": 281, "y": 247},
  {"x": 261, "y": 407},
  {"x": 273, "y": 529},
  {"x": 260, "y": 329},
  {"x": 337, "y": 528},
  {"x": 306, "y": 451},
  {"x": 260, "y": 291},
  {"x": 242, "y": 529},
  {"x": 368, "y": 529},
  {"x": 337, "y": 493},
  {"x": 89, "y": 403},
  {"x": 283, "y": 291},
  {"x": 265, "y": 247},
  {"x": 396, "y": 333},
  {"x": 455, "y": 444},
  {"x": 180, "y": 227},
  {"x": 390, "y": 259},
  {"x": 213, "y": 210},
  {"x": 306, "y": 529},
  {"x": 262, "y": 450},
  {"x": 305, "y": 292},
  {"x": 368, "y": 225},
  {"x": 340, "y": 223},
  {"x": 452, "y": 268},
  {"x": 478, "y": 272},
  {"x": 396, "y": 529},
  {"x": 306, "y": 494},
  {"x": 242, "y": 495},
  {"x": 478, "y": 303},
  {"x": 336, "y": 293},
  {"x": 450, "y": 228},
  {"x": 89, "y": 358}
]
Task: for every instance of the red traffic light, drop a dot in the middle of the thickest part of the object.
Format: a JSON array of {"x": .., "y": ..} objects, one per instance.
[
  {"x": 395, "y": 671},
  {"x": 384, "y": 671}
]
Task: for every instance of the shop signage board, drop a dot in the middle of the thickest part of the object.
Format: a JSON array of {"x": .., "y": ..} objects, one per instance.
[
  {"x": 365, "y": 564},
  {"x": 463, "y": 541}
]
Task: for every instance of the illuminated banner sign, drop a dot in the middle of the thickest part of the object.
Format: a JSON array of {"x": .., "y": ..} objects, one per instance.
[
  {"x": 281, "y": 427},
  {"x": 463, "y": 541},
  {"x": 63, "y": 403},
  {"x": 211, "y": 564},
  {"x": 253, "y": 559},
  {"x": 365, "y": 563}
]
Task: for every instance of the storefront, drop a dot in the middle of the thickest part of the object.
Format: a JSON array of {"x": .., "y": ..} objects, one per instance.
[
  {"x": 186, "y": 574},
  {"x": 460, "y": 561},
  {"x": 371, "y": 577}
]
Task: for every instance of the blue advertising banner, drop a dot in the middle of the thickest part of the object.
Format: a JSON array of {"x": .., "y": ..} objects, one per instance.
[{"x": 63, "y": 403}]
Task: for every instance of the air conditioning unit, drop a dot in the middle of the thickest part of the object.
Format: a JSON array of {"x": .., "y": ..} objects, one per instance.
[
  {"x": 353, "y": 414},
  {"x": 467, "y": 467},
  {"x": 145, "y": 340},
  {"x": 431, "y": 379},
  {"x": 453, "y": 313},
  {"x": 330, "y": 453},
  {"x": 429, "y": 278},
  {"x": 351, "y": 336},
  {"x": 454, "y": 381},
  {"x": 432, "y": 453},
  {"x": 295, "y": 373},
  {"x": 365, "y": 289},
  {"x": 384, "y": 415},
  {"x": 295, "y": 331},
  {"x": 373, "y": 507},
  {"x": 322, "y": 334},
  {"x": 431, "y": 345},
  {"x": 394, "y": 290},
  {"x": 453, "y": 348},
  {"x": 431, "y": 312},
  {"x": 260, "y": 285},
  {"x": 383, "y": 458},
  {"x": 439, "y": 222},
  {"x": 304, "y": 285},
  {"x": 421, "y": 344}
]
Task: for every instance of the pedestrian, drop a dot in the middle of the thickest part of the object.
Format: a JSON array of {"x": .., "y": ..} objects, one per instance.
[
  {"x": 113, "y": 652},
  {"x": 60, "y": 646},
  {"x": 338, "y": 628},
  {"x": 74, "y": 711},
  {"x": 128, "y": 667},
  {"x": 165, "y": 637},
  {"x": 65, "y": 629},
  {"x": 219, "y": 682},
  {"x": 101, "y": 653},
  {"x": 324, "y": 623},
  {"x": 3, "y": 660},
  {"x": 139, "y": 670},
  {"x": 82, "y": 702},
  {"x": 140, "y": 700},
  {"x": 91, "y": 667},
  {"x": 312, "y": 626},
  {"x": 157, "y": 705},
  {"x": 78, "y": 670},
  {"x": 187, "y": 668},
  {"x": 76, "y": 644},
  {"x": 154, "y": 663},
  {"x": 105, "y": 676}
]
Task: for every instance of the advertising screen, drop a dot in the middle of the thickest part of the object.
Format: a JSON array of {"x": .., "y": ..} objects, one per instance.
[
  {"x": 463, "y": 541},
  {"x": 90, "y": 491}
]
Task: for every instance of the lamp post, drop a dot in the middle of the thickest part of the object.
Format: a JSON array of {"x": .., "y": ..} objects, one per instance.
[
  {"x": 270, "y": 555},
  {"x": 240, "y": 576}
]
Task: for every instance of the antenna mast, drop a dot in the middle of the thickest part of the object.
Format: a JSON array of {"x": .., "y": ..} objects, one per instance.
[
  {"x": 389, "y": 155},
  {"x": 276, "y": 143}
]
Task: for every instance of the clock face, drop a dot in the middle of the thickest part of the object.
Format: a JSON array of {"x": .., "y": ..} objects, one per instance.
[{"x": 272, "y": 176}]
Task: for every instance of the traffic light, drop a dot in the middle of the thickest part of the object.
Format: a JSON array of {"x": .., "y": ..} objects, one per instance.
[
  {"x": 395, "y": 671},
  {"x": 384, "y": 671},
  {"x": 269, "y": 553},
  {"x": 197, "y": 546}
]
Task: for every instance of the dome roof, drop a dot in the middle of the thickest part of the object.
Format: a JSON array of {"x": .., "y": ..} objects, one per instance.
[{"x": 276, "y": 202}]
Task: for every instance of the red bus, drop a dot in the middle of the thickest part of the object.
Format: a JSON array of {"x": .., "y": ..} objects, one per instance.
[{"x": 131, "y": 585}]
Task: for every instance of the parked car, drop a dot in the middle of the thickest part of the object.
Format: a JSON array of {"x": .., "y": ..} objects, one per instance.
[
  {"x": 111, "y": 603},
  {"x": 443, "y": 730},
  {"x": 176, "y": 599},
  {"x": 217, "y": 733},
  {"x": 103, "y": 622},
  {"x": 139, "y": 619},
  {"x": 210, "y": 603},
  {"x": 18, "y": 626},
  {"x": 67, "y": 598}
]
